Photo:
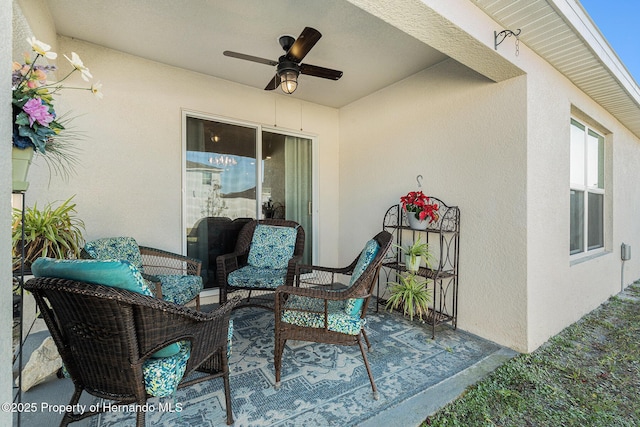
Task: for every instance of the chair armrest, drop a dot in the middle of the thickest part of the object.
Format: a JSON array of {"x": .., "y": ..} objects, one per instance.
[
  {"x": 156, "y": 282},
  {"x": 318, "y": 276},
  {"x": 333, "y": 295},
  {"x": 227, "y": 263},
  {"x": 158, "y": 261}
]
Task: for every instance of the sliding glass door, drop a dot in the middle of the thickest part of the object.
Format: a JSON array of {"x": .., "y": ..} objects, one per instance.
[{"x": 225, "y": 185}]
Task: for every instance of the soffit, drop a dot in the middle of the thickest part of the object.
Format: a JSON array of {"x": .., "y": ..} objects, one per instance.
[{"x": 562, "y": 33}]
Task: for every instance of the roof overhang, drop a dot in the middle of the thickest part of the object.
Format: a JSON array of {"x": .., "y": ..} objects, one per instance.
[{"x": 562, "y": 33}]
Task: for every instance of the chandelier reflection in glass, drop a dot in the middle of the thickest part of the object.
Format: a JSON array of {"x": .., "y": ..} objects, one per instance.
[{"x": 222, "y": 161}]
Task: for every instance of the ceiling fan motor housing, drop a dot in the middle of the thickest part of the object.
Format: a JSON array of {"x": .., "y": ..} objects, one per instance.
[{"x": 285, "y": 65}]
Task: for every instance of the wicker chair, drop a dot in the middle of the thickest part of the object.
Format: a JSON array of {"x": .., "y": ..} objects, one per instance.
[
  {"x": 265, "y": 257},
  {"x": 176, "y": 277},
  {"x": 109, "y": 340},
  {"x": 318, "y": 309}
]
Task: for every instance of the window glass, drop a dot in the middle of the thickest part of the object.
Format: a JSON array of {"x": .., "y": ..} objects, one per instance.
[
  {"x": 577, "y": 153},
  {"x": 595, "y": 156},
  {"x": 596, "y": 221},
  {"x": 577, "y": 222}
]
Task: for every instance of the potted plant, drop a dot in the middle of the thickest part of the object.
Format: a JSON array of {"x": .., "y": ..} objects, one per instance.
[
  {"x": 55, "y": 232},
  {"x": 411, "y": 294},
  {"x": 418, "y": 208},
  {"x": 414, "y": 254},
  {"x": 36, "y": 126}
]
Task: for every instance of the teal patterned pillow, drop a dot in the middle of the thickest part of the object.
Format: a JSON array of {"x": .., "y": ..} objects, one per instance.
[
  {"x": 354, "y": 305},
  {"x": 115, "y": 248},
  {"x": 272, "y": 246}
]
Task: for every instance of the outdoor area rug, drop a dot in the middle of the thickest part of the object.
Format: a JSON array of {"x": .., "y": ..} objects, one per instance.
[{"x": 322, "y": 385}]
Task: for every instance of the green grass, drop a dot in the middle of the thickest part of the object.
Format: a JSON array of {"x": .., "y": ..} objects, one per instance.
[{"x": 588, "y": 375}]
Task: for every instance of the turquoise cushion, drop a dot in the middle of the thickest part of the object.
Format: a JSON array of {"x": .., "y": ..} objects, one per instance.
[
  {"x": 257, "y": 277},
  {"x": 180, "y": 289},
  {"x": 354, "y": 305},
  {"x": 272, "y": 246},
  {"x": 337, "y": 319},
  {"x": 115, "y": 248},
  {"x": 115, "y": 273},
  {"x": 162, "y": 375}
]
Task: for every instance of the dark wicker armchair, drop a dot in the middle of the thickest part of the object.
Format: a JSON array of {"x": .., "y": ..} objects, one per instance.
[
  {"x": 250, "y": 268},
  {"x": 176, "y": 277},
  {"x": 107, "y": 336},
  {"x": 318, "y": 309}
]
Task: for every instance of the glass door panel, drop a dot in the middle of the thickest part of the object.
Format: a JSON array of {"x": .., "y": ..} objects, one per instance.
[
  {"x": 287, "y": 187},
  {"x": 220, "y": 188}
]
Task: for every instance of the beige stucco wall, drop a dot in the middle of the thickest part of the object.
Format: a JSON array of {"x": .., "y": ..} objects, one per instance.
[
  {"x": 561, "y": 290},
  {"x": 129, "y": 181},
  {"x": 6, "y": 304},
  {"x": 467, "y": 137}
]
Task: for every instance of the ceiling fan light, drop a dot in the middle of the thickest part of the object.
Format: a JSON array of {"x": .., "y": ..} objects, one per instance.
[{"x": 289, "y": 81}]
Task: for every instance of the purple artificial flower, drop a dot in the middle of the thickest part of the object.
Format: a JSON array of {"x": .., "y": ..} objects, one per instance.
[{"x": 37, "y": 111}]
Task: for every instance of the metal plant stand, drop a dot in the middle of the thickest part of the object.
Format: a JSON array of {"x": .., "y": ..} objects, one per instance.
[{"x": 443, "y": 237}]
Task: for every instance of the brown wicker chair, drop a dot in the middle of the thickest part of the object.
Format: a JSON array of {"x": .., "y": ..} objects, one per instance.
[
  {"x": 254, "y": 284},
  {"x": 176, "y": 277},
  {"x": 104, "y": 336},
  {"x": 318, "y": 309}
]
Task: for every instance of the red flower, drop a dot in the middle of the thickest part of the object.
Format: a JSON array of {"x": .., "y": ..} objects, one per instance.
[{"x": 421, "y": 205}]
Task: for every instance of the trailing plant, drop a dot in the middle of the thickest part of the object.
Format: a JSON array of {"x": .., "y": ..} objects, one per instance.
[
  {"x": 417, "y": 249},
  {"x": 411, "y": 294},
  {"x": 55, "y": 232}
]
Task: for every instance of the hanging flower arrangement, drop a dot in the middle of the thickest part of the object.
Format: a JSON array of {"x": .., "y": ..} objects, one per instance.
[
  {"x": 421, "y": 206},
  {"x": 36, "y": 123}
]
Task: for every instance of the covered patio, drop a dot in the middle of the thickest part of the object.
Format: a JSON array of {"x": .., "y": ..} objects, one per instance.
[{"x": 426, "y": 92}]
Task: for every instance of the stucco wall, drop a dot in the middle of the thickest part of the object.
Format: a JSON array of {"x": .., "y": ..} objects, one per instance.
[
  {"x": 129, "y": 181},
  {"x": 467, "y": 137},
  {"x": 560, "y": 290},
  {"x": 6, "y": 354}
]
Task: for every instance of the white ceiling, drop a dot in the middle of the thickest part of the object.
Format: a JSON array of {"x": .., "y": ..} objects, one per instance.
[{"x": 192, "y": 34}]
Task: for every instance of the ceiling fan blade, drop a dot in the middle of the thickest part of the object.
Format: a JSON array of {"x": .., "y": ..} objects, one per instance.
[
  {"x": 303, "y": 44},
  {"x": 273, "y": 84},
  {"x": 325, "y": 73},
  {"x": 249, "y": 58}
]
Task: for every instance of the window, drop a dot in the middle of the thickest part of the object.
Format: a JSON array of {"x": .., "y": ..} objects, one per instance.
[{"x": 587, "y": 189}]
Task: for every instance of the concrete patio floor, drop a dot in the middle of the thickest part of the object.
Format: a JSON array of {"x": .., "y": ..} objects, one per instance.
[{"x": 47, "y": 396}]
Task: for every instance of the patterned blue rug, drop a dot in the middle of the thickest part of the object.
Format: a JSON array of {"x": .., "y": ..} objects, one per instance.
[{"x": 322, "y": 385}]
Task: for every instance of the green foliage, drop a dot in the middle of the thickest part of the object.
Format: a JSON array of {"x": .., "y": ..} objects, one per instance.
[
  {"x": 588, "y": 375},
  {"x": 411, "y": 294},
  {"x": 417, "y": 249},
  {"x": 53, "y": 232}
]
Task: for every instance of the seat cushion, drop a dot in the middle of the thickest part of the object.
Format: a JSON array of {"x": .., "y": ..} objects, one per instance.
[
  {"x": 257, "y": 277},
  {"x": 162, "y": 375},
  {"x": 180, "y": 289},
  {"x": 337, "y": 319},
  {"x": 115, "y": 248},
  {"x": 272, "y": 246},
  {"x": 371, "y": 248}
]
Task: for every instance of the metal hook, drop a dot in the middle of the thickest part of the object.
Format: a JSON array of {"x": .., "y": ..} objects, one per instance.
[{"x": 419, "y": 179}]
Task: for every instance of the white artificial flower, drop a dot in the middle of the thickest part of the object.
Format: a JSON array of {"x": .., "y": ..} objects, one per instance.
[
  {"x": 78, "y": 65},
  {"x": 41, "y": 48}
]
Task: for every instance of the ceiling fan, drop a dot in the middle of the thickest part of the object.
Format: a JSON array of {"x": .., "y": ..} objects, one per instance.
[{"x": 288, "y": 66}]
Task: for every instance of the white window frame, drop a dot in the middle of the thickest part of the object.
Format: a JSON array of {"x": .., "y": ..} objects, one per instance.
[{"x": 589, "y": 189}]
